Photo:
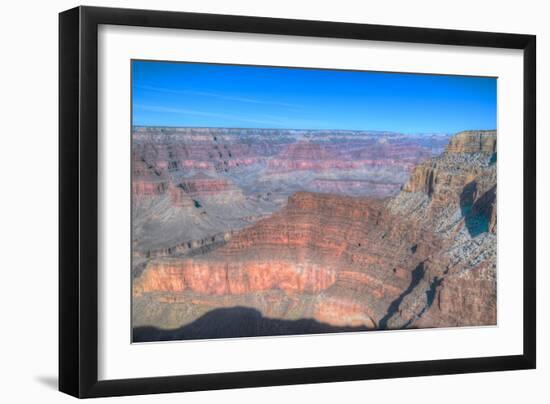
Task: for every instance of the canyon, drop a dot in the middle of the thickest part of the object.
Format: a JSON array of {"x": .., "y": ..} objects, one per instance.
[{"x": 294, "y": 231}]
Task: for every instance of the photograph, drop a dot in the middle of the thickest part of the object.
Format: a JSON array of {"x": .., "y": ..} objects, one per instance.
[
  {"x": 269, "y": 203},
  {"x": 273, "y": 201}
]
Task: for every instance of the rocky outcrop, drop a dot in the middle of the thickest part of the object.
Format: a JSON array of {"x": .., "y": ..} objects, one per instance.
[
  {"x": 468, "y": 155},
  {"x": 462, "y": 179},
  {"x": 455, "y": 195},
  {"x": 480, "y": 141}
]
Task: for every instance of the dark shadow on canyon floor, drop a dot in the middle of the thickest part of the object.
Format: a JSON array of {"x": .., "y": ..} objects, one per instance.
[{"x": 237, "y": 322}]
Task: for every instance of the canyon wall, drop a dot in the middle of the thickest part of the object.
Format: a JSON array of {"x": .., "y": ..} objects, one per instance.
[
  {"x": 425, "y": 257},
  {"x": 193, "y": 188}
]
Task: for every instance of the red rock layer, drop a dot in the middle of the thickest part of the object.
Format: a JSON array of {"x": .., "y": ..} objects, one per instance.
[{"x": 222, "y": 278}]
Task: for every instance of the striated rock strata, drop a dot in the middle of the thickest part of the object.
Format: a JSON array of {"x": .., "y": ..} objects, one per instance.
[
  {"x": 193, "y": 188},
  {"x": 424, "y": 258}
]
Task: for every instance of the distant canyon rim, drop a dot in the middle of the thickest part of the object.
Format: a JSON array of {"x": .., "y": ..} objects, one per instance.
[{"x": 249, "y": 232}]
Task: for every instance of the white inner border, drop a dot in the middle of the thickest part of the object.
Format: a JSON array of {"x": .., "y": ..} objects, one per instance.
[{"x": 118, "y": 358}]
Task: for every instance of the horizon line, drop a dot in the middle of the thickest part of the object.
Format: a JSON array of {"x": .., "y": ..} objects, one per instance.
[
  {"x": 313, "y": 130},
  {"x": 308, "y": 130}
]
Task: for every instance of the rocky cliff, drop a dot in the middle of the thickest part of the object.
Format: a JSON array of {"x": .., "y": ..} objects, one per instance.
[
  {"x": 455, "y": 196},
  {"x": 480, "y": 141}
]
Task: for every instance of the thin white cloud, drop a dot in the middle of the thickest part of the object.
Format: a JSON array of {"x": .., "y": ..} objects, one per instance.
[
  {"x": 218, "y": 96},
  {"x": 193, "y": 112},
  {"x": 274, "y": 121}
]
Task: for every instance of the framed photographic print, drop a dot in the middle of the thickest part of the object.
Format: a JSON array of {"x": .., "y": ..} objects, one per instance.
[{"x": 250, "y": 201}]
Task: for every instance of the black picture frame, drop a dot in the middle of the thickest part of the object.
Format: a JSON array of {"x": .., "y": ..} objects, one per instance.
[{"x": 78, "y": 201}]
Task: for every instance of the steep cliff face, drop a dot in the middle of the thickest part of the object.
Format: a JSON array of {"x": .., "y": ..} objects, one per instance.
[
  {"x": 175, "y": 149},
  {"x": 462, "y": 179},
  {"x": 226, "y": 278},
  {"x": 454, "y": 195},
  {"x": 424, "y": 258},
  {"x": 480, "y": 141},
  {"x": 469, "y": 155}
]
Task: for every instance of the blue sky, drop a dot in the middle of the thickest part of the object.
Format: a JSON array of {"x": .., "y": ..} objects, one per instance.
[{"x": 208, "y": 95}]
